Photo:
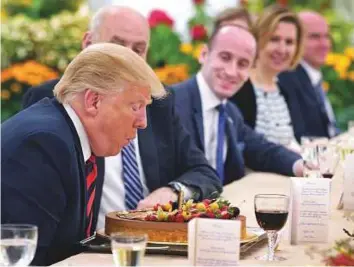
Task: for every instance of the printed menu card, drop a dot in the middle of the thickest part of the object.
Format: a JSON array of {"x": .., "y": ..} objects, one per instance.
[
  {"x": 310, "y": 200},
  {"x": 213, "y": 242},
  {"x": 348, "y": 194}
]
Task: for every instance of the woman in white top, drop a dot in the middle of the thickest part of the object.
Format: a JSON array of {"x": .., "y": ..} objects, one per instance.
[{"x": 268, "y": 108}]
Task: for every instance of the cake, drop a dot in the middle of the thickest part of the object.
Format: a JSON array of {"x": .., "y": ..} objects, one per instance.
[{"x": 165, "y": 224}]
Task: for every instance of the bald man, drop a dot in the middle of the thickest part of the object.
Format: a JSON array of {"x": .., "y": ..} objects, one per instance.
[
  {"x": 307, "y": 78},
  {"x": 163, "y": 159},
  {"x": 215, "y": 123}
]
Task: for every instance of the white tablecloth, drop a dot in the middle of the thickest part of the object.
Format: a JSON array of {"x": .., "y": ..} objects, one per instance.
[{"x": 243, "y": 191}]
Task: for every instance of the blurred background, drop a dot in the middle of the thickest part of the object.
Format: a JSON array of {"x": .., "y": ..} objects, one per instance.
[{"x": 40, "y": 38}]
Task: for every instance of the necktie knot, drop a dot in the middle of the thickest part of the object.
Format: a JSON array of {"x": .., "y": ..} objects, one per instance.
[
  {"x": 92, "y": 159},
  {"x": 221, "y": 108}
]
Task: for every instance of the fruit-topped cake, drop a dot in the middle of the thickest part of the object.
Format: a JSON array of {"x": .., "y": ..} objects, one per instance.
[{"x": 168, "y": 222}]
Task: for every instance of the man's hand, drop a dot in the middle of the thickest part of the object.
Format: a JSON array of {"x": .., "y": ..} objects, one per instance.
[
  {"x": 298, "y": 168},
  {"x": 162, "y": 195}
]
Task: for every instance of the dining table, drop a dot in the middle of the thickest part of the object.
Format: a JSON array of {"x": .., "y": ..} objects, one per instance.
[{"x": 241, "y": 193}]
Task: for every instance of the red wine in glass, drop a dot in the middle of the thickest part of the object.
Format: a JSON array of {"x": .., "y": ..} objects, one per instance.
[
  {"x": 271, "y": 220},
  {"x": 327, "y": 175}
]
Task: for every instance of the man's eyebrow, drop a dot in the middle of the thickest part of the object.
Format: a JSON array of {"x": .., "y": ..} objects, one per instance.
[{"x": 115, "y": 38}]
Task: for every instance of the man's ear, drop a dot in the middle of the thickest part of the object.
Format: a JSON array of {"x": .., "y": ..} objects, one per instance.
[
  {"x": 203, "y": 54},
  {"x": 87, "y": 40},
  {"x": 92, "y": 102}
]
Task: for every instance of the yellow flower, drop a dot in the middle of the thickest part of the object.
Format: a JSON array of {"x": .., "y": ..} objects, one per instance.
[
  {"x": 186, "y": 48},
  {"x": 349, "y": 52},
  {"x": 5, "y": 94},
  {"x": 172, "y": 74},
  {"x": 331, "y": 59},
  {"x": 6, "y": 75},
  {"x": 342, "y": 64},
  {"x": 343, "y": 75},
  {"x": 15, "y": 87},
  {"x": 325, "y": 86},
  {"x": 351, "y": 75},
  {"x": 197, "y": 51}
]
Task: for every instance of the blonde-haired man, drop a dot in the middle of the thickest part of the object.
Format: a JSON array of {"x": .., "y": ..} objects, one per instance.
[
  {"x": 163, "y": 159},
  {"x": 48, "y": 150}
]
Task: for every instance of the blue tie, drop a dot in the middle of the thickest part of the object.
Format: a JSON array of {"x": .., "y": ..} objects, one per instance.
[
  {"x": 328, "y": 108},
  {"x": 220, "y": 142},
  {"x": 132, "y": 183}
]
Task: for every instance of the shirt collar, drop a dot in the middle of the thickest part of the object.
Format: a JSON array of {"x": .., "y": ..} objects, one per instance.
[
  {"x": 314, "y": 74},
  {"x": 85, "y": 145},
  {"x": 208, "y": 98}
]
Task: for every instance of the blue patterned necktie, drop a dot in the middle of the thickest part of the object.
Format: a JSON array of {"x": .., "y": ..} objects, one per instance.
[
  {"x": 328, "y": 108},
  {"x": 220, "y": 142},
  {"x": 131, "y": 177}
]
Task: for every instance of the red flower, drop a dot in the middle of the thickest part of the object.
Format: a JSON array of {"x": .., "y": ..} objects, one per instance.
[
  {"x": 157, "y": 17},
  {"x": 198, "y": 32},
  {"x": 198, "y": 2},
  {"x": 341, "y": 260}
]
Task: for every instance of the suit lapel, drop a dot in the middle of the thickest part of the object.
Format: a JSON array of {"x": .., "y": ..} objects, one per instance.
[
  {"x": 306, "y": 82},
  {"x": 197, "y": 112},
  {"x": 148, "y": 154},
  {"x": 234, "y": 165},
  {"x": 80, "y": 162}
]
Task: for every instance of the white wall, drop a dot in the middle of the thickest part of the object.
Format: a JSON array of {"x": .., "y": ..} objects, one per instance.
[{"x": 179, "y": 10}]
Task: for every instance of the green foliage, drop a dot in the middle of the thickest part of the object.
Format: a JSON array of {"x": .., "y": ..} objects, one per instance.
[{"x": 39, "y": 8}]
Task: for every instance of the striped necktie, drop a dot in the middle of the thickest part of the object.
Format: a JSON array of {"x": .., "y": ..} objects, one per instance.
[
  {"x": 220, "y": 142},
  {"x": 132, "y": 183},
  {"x": 91, "y": 174}
]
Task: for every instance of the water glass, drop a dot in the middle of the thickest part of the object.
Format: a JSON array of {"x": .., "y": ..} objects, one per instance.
[
  {"x": 271, "y": 214},
  {"x": 18, "y": 244},
  {"x": 128, "y": 249}
]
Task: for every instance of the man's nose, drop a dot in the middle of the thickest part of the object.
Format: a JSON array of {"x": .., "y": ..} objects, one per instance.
[
  {"x": 141, "y": 120},
  {"x": 232, "y": 69}
]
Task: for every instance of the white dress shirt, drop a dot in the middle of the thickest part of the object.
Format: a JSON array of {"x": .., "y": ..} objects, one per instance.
[
  {"x": 113, "y": 192},
  {"x": 210, "y": 102},
  {"x": 85, "y": 145}
]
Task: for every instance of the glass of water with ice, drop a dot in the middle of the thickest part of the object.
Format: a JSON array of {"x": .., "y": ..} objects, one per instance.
[{"x": 18, "y": 244}]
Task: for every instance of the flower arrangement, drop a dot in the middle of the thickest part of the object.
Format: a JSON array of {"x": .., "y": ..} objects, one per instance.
[
  {"x": 342, "y": 253},
  {"x": 17, "y": 78},
  {"x": 338, "y": 73},
  {"x": 36, "y": 50}
]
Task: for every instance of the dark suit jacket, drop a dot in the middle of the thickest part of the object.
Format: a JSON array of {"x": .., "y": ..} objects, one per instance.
[
  {"x": 167, "y": 151},
  {"x": 43, "y": 179},
  {"x": 244, "y": 143},
  {"x": 313, "y": 111},
  {"x": 245, "y": 100}
]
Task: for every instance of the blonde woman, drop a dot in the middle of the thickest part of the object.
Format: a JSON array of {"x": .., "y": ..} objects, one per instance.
[{"x": 268, "y": 108}]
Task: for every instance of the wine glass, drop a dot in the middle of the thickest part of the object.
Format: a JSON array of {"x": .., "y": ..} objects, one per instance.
[
  {"x": 128, "y": 249},
  {"x": 271, "y": 214},
  {"x": 18, "y": 244},
  {"x": 328, "y": 159},
  {"x": 309, "y": 154}
]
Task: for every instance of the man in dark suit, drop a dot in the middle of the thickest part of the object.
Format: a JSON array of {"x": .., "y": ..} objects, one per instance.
[
  {"x": 306, "y": 80},
  {"x": 166, "y": 159},
  {"x": 216, "y": 124},
  {"x": 48, "y": 150}
]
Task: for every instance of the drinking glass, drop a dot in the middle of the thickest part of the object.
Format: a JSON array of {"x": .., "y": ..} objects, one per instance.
[
  {"x": 271, "y": 214},
  {"x": 128, "y": 249},
  {"x": 18, "y": 244},
  {"x": 328, "y": 159}
]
